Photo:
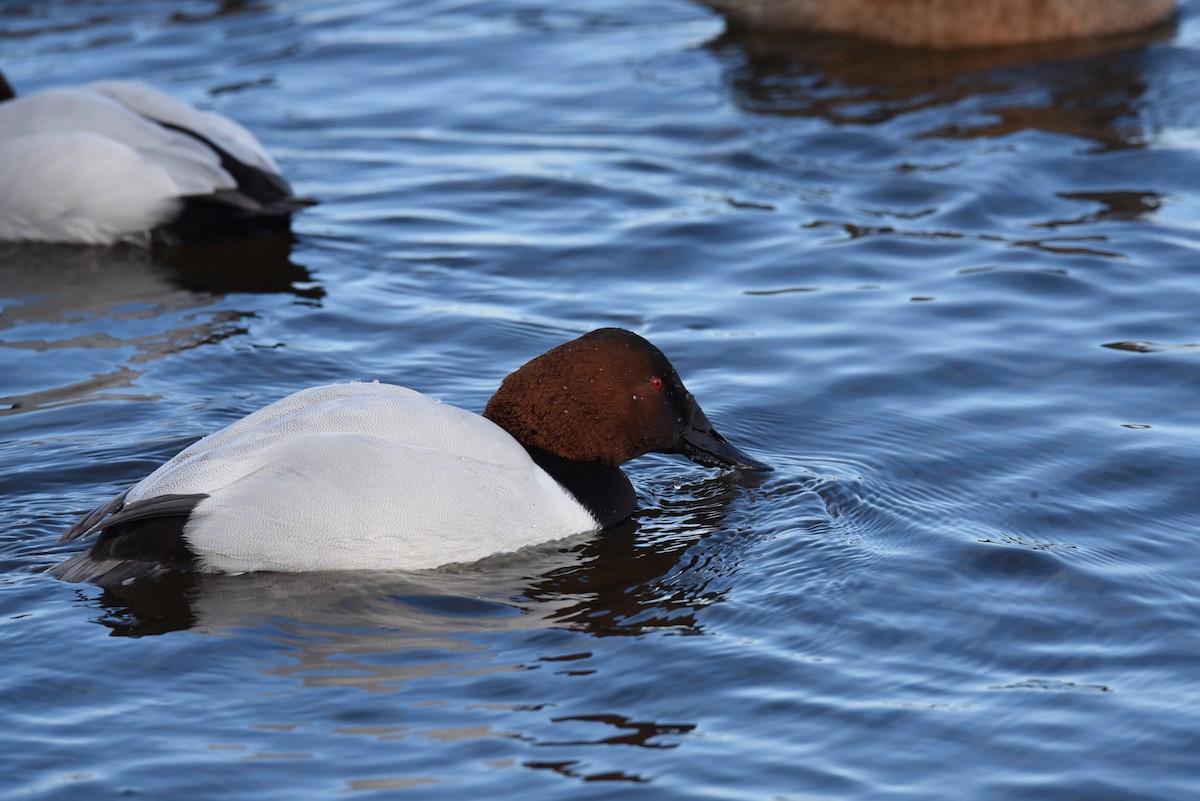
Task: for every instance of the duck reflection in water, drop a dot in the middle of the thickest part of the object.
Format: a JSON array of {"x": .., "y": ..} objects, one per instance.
[
  {"x": 651, "y": 573},
  {"x": 262, "y": 265},
  {"x": 106, "y": 312},
  {"x": 478, "y": 628},
  {"x": 1088, "y": 88}
]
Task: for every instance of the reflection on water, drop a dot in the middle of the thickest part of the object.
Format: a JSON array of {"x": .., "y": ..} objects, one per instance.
[
  {"x": 660, "y": 574},
  {"x": 472, "y": 632},
  {"x": 1152, "y": 347},
  {"x": 650, "y": 573},
  {"x": 222, "y": 8},
  {"x": 472, "y": 629},
  {"x": 33, "y": 20},
  {"x": 1087, "y": 88},
  {"x": 1124, "y": 206},
  {"x": 106, "y": 312},
  {"x": 254, "y": 265}
]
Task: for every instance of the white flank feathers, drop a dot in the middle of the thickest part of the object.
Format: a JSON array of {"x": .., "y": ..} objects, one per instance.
[
  {"x": 362, "y": 476},
  {"x": 91, "y": 165},
  {"x": 227, "y": 133}
]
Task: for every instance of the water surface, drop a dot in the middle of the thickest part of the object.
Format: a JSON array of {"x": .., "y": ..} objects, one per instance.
[{"x": 953, "y": 300}]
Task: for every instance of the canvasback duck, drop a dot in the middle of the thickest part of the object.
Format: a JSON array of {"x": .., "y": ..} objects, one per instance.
[
  {"x": 374, "y": 476},
  {"x": 117, "y": 161},
  {"x": 949, "y": 23}
]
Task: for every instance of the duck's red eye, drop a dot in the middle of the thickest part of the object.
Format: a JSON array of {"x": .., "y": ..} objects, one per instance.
[{"x": 656, "y": 382}]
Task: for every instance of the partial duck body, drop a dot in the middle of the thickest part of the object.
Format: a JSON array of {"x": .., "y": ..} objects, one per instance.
[
  {"x": 948, "y": 24},
  {"x": 117, "y": 161}
]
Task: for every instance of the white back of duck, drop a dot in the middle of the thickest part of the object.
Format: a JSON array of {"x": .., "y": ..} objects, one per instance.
[
  {"x": 155, "y": 105},
  {"x": 116, "y": 161},
  {"x": 360, "y": 476}
]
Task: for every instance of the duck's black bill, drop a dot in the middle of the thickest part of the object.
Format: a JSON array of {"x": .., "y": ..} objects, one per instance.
[{"x": 704, "y": 445}]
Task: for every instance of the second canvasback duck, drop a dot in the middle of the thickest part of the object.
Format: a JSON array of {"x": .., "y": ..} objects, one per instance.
[
  {"x": 950, "y": 23},
  {"x": 370, "y": 476},
  {"x": 117, "y": 161}
]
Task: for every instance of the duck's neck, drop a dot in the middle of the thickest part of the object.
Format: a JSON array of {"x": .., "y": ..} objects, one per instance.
[{"x": 602, "y": 489}]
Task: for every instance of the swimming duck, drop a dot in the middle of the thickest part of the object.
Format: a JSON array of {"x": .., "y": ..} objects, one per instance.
[
  {"x": 117, "y": 161},
  {"x": 949, "y": 23},
  {"x": 371, "y": 476}
]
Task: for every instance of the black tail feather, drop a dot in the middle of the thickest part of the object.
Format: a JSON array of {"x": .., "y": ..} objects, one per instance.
[
  {"x": 262, "y": 204},
  {"x": 136, "y": 540}
]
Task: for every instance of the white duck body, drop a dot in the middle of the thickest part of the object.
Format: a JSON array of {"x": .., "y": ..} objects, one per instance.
[
  {"x": 361, "y": 476},
  {"x": 373, "y": 476},
  {"x": 155, "y": 105},
  {"x": 94, "y": 165}
]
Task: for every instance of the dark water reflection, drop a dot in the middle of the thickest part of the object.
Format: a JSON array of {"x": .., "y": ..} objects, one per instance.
[
  {"x": 120, "y": 308},
  {"x": 258, "y": 265},
  {"x": 1090, "y": 89},
  {"x": 652, "y": 573},
  {"x": 383, "y": 632}
]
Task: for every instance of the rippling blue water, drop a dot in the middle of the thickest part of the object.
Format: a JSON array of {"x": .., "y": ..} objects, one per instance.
[{"x": 954, "y": 300}]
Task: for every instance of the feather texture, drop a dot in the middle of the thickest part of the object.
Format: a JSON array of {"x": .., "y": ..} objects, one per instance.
[
  {"x": 354, "y": 476},
  {"x": 117, "y": 161}
]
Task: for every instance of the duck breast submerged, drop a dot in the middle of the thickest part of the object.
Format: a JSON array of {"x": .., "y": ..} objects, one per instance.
[
  {"x": 117, "y": 161},
  {"x": 370, "y": 476}
]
